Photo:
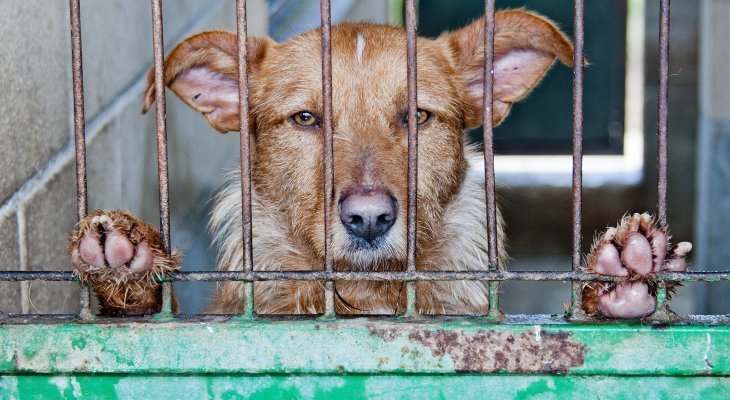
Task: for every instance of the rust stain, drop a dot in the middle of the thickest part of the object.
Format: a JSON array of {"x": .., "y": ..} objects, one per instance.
[
  {"x": 387, "y": 334},
  {"x": 504, "y": 351}
]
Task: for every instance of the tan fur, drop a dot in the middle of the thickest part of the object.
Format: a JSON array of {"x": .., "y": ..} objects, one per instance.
[{"x": 370, "y": 150}]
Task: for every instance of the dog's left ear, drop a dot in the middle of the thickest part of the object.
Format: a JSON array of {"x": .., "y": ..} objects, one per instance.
[{"x": 525, "y": 47}]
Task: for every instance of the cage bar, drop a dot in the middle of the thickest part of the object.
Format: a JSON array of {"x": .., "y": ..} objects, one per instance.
[
  {"x": 663, "y": 111},
  {"x": 159, "y": 73},
  {"x": 245, "y": 144},
  {"x": 577, "y": 195},
  {"x": 488, "y": 140},
  {"x": 488, "y": 135},
  {"x": 78, "y": 98},
  {"x": 216, "y": 276},
  {"x": 325, "y": 27},
  {"x": 662, "y": 309},
  {"x": 412, "y": 155},
  {"x": 79, "y": 135}
]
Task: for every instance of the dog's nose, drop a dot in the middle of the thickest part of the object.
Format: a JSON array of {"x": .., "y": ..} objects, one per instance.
[{"x": 368, "y": 214}]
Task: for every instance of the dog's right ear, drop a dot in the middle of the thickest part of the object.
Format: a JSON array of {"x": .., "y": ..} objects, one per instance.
[
  {"x": 203, "y": 72},
  {"x": 525, "y": 47}
]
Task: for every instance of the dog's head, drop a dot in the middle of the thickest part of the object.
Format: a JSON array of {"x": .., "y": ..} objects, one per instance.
[{"x": 369, "y": 97}]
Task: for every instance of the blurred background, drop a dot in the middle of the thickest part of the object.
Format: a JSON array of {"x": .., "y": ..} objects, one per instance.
[{"x": 37, "y": 188}]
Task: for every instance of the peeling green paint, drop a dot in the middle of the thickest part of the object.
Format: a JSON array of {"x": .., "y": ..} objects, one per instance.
[{"x": 361, "y": 358}]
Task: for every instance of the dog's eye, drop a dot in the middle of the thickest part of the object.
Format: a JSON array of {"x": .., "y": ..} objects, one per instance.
[
  {"x": 305, "y": 118},
  {"x": 422, "y": 116}
]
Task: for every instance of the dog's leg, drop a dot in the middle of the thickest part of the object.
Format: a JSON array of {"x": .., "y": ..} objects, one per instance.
[
  {"x": 120, "y": 256},
  {"x": 636, "y": 250}
]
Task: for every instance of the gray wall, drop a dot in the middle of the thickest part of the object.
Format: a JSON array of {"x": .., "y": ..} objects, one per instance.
[{"x": 713, "y": 175}]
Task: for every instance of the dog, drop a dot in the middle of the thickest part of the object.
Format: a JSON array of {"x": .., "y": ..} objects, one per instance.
[{"x": 120, "y": 255}]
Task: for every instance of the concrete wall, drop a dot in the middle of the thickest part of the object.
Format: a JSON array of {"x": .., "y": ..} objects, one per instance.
[
  {"x": 713, "y": 175},
  {"x": 37, "y": 187}
]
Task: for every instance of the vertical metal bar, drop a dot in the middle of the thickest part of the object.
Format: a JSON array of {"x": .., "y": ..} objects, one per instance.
[
  {"x": 662, "y": 310},
  {"x": 79, "y": 134},
  {"x": 412, "y": 154},
  {"x": 245, "y": 142},
  {"x": 662, "y": 122},
  {"x": 159, "y": 68},
  {"x": 489, "y": 131},
  {"x": 488, "y": 140},
  {"x": 578, "y": 57},
  {"x": 79, "y": 121},
  {"x": 326, "y": 23}
]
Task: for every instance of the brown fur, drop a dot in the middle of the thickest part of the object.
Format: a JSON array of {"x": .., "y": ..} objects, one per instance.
[{"x": 370, "y": 149}]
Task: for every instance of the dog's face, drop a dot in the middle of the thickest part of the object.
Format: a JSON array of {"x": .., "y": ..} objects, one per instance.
[{"x": 369, "y": 97}]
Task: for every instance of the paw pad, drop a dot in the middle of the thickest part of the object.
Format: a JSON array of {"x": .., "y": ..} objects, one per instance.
[
  {"x": 636, "y": 250},
  {"x": 111, "y": 245}
]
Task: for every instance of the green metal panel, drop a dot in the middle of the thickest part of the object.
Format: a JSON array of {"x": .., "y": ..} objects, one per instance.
[{"x": 359, "y": 358}]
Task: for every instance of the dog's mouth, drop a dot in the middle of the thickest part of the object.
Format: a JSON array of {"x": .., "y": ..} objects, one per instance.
[
  {"x": 357, "y": 244},
  {"x": 380, "y": 254}
]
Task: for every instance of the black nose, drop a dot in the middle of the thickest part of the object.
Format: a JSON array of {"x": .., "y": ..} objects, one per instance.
[{"x": 368, "y": 213}]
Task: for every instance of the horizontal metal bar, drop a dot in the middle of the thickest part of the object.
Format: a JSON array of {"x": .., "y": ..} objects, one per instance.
[
  {"x": 405, "y": 276},
  {"x": 187, "y": 319}
]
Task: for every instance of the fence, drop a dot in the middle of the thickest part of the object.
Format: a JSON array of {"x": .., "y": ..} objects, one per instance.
[{"x": 424, "y": 349}]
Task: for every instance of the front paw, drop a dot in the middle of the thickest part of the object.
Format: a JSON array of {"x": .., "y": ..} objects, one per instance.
[
  {"x": 636, "y": 251},
  {"x": 120, "y": 256}
]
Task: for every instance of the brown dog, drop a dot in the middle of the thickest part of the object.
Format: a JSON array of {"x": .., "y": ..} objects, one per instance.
[{"x": 119, "y": 254}]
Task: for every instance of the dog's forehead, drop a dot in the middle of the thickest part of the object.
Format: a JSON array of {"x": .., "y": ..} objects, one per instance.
[{"x": 365, "y": 58}]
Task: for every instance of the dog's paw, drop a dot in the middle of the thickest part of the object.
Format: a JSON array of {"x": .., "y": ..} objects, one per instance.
[
  {"x": 115, "y": 246},
  {"x": 636, "y": 250}
]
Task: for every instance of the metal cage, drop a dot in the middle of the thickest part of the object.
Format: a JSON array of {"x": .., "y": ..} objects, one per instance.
[{"x": 410, "y": 356}]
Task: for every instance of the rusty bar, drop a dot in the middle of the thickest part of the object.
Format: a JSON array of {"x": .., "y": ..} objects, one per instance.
[
  {"x": 85, "y": 313},
  {"x": 159, "y": 68},
  {"x": 79, "y": 120},
  {"x": 662, "y": 103},
  {"x": 215, "y": 276},
  {"x": 578, "y": 57},
  {"x": 489, "y": 131},
  {"x": 245, "y": 143},
  {"x": 412, "y": 154},
  {"x": 488, "y": 140},
  {"x": 79, "y": 133},
  {"x": 662, "y": 313},
  {"x": 325, "y": 26}
]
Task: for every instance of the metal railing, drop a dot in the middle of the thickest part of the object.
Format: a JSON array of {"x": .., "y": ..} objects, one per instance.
[{"x": 493, "y": 277}]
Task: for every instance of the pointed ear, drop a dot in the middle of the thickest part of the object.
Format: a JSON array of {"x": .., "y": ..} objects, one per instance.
[
  {"x": 203, "y": 72},
  {"x": 525, "y": 47}
]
